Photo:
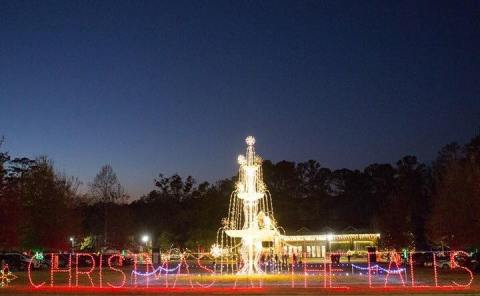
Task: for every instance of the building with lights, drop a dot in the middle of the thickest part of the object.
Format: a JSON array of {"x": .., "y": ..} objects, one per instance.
[{"x": 316, "y": 245}]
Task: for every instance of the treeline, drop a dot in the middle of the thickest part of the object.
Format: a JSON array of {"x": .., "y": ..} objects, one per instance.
[{"x": 411, "y": 204}]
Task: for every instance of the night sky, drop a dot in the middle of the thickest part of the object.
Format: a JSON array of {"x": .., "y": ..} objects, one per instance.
[{"x": 176, "y": 86}]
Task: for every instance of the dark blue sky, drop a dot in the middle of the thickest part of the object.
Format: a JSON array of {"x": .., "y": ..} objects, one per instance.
[{"x": 176, "y": 86}]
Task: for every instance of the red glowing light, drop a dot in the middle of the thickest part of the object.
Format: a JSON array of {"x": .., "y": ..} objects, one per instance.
[
  {"x": 120, "y": 262},
  {"x": 183, "y": 277},
  {"x": 394, "y": 258},
  {"x": 54, "y": 268},
  {"x": 87, "y": 273}
]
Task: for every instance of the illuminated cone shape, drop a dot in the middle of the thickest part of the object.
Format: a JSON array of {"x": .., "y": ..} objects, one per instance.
[{"x": 252, "y": 198}]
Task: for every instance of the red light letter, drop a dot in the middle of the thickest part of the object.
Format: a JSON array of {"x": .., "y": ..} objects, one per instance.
[
  {"x": 124, "y": 277},
  {"x": 206, "y": 269},
  {"x": 87, "y": 273},
  {"x": 30, "y": 276},
  {"x": 454, "y": 264},
  {"x": 54, "y": 268},
  {"x": 179, "y": 272}
]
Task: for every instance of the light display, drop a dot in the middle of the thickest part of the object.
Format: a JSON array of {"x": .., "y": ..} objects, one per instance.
[
  {"x": 54, "y": 268},
  {"x": 384, "y": 275},
  {"x": 118, "y": 270},
  {"x": 250, "y": 216},
  {"x": 216, "y": 251},
  {"x": 249, "y": 225},
  {"x": 29, "y": 274},
  {"x": 394, "y": 259},
  {"x": 455, "y": 265},
  {"x": 6, "y": 276},
  {"x": 250, "y": 230},
  {"x": 86, "y": 273},
  {"x": 38, "y": 256}
]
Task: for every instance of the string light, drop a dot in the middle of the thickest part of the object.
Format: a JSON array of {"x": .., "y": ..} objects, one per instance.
[
  {"x": 207, "y": 270},
  {"x": 377, "y": 267},
  {"x": 182, "y": 260},
  {"x": 412, "y": 276},
  {"x": 293, "y": 275},
  {"x": 54, "y": 268},
  {"x": 29, "y": 275},
  {"x": 331, "y": 269},
  {"x": 454, "y": 265},
  {"x": 216, "y": 251},
  {"x": 124, "y": 277},
  {"x": 305, "y": 274},
  {"x": 38, "y": 256},
  {"x": 87, "y": 273},
  {"x": 250, "y": 215},
  {"x": 369, "y": 262},
  {"x": 134, "y": 272},
  {"x": 394, "y": 258},
  {"x": 6, "y": 276},
  {"x": 182, "y": 272},
  {"x": 100, "y": 271},
  {"x": 367, "y": 237}
]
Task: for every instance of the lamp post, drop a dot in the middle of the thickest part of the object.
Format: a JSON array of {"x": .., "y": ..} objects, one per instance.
[
  {"x": 145, "y": 240},
  {"x": 72, "y": 240}
]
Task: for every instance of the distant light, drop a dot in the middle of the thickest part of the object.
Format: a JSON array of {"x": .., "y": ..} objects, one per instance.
[
  {"x": 145, "y": 238},
  {"x": 330, "y": 237},
  {"x": 216, "y": 251},
  {"x": 241, "y": 159},
  {"x": 71, "y": 239}
]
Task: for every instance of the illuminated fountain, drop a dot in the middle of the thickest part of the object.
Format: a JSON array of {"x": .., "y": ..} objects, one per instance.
[{"x": 250, "y": 216}]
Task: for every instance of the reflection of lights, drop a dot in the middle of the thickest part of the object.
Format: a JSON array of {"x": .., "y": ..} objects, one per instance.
[
  {"x": 216, "y": 251},
  {"x": 330, "y": 237}
]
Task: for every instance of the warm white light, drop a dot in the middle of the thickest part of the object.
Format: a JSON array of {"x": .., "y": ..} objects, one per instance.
[
  {"x": 249, "y": 204},
  {"x": 247, "y": 240},
  {"x": 145, "y": 238},
  {"x": 252, "y": 221},
  {"x": 241, "y": 159},
  {"x": 267, "y": 222},
  {"x": 250, "y": 171},
  {"x": 71, "y": 239},
  {"x": 250, "y": 141},
  {"x": 216, "y": 251}
]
